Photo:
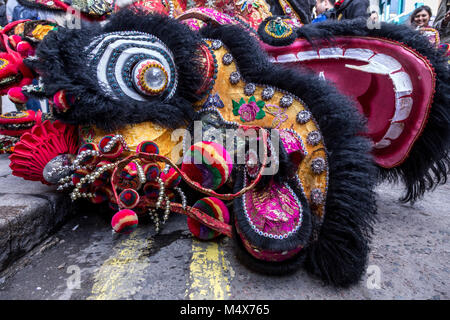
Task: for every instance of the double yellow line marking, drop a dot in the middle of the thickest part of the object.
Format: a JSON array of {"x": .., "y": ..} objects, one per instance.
[{"x": 121, "y": 275}]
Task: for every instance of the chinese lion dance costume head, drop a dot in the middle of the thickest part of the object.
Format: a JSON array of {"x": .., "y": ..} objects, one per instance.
[{"x": 154, "y": 117}]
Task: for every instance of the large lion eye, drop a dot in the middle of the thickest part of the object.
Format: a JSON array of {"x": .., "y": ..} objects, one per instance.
[
  {"x": 134, "y": 65},
  {"x": 150, "y": 77}
]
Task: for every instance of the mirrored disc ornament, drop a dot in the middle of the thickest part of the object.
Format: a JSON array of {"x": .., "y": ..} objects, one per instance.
[
  {"x": 216, "y": 44},
  {"x": 58, "y": 168},
  {"x": 134, "y": 65},
  {"x": 150, "y": 77}
]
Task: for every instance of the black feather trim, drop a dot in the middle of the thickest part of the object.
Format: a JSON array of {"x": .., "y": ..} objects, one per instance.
[{"x": 280, "y": 268}]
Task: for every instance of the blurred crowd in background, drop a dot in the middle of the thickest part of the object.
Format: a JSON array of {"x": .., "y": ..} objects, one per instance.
[{"x": 418, "y": 14}]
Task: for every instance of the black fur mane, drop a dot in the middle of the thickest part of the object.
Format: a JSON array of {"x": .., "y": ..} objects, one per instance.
[{"x": 339, "y": 255}]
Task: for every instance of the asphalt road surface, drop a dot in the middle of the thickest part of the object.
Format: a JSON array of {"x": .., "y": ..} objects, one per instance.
[{"x": 409, "y": 260}]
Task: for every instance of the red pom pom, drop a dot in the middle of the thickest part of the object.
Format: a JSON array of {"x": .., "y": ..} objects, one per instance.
[
  {"x": 129, "y": 198},
  {"x": 147, "y": 147},
  {"x": 207, "y": 163},
  {"x": 14, "y": 40},
  {"x": 25, "y": 49},
  {"x": 171, "y": 179},
  {"x": 62, "y": 101},
  {"x": 15, "y": 95},
  {"x": 151, "y": 171},
  {"x": 115, "y": 149},
  {"x": 124, "y": 221},
  {"x": 214, "y": 208}
]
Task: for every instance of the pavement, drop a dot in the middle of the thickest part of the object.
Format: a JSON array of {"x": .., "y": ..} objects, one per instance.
[
  {"x": 29, "y": 213},
  {"x": 69, "y": 255}
]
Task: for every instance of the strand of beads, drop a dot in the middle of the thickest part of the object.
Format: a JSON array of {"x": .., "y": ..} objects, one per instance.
[
  {"x": 167, "y": 209},
  {"x": 161, "y": 192},
  {"x": 182, "y": 196},
  {"x": 94, "y": 175},
  {"x": 140, "y": 172},
  {"x": 171, "y": 7},
  {"x": 81, "y": 156},
  {"x": 89, "y": 178},
  {"x": 65, "y": 183},
  {"x": 111, "y": 143},
  {"x": 154, "y": 216}
]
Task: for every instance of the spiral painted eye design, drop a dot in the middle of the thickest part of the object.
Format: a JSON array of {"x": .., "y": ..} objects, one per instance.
[{"x": 134, "y": 65}]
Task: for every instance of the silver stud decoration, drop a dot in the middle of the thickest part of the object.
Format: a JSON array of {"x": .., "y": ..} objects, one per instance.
[
  {"x": 267, "y": 93},
  {"x": 235, "y": 77},
  {"x": 286, "y": 101},
  {"x": 227, "y": 59},
  {"x": 303, "y": 116},
  {"x": 249, "y": 89},
  {"x": 316, "y": 196},
  {"x": 216, "y": 44},
  {"x": 318, "y": 165},
  {"x": 314, "y": 138}
]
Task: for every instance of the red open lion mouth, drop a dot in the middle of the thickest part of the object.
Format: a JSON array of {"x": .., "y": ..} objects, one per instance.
[{"x": 388, "y": 81}]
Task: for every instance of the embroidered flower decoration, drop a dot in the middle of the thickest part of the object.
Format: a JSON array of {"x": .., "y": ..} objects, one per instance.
[{"x": 253, "y": 110}]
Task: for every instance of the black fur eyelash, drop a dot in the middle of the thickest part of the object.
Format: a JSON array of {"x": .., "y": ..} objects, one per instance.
[{"x": 65, "y": 67}]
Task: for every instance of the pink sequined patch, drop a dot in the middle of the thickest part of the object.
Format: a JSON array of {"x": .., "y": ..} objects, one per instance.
[
  {"x": 291, "y": 142},
  {"x": 293, "y": 145},
  {"x": 275, "y": 212}
]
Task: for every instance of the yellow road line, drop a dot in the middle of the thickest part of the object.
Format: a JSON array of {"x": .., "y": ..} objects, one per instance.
[
  {"x": 120, "y": 276},
  {"x": 210, "y": 273}
]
